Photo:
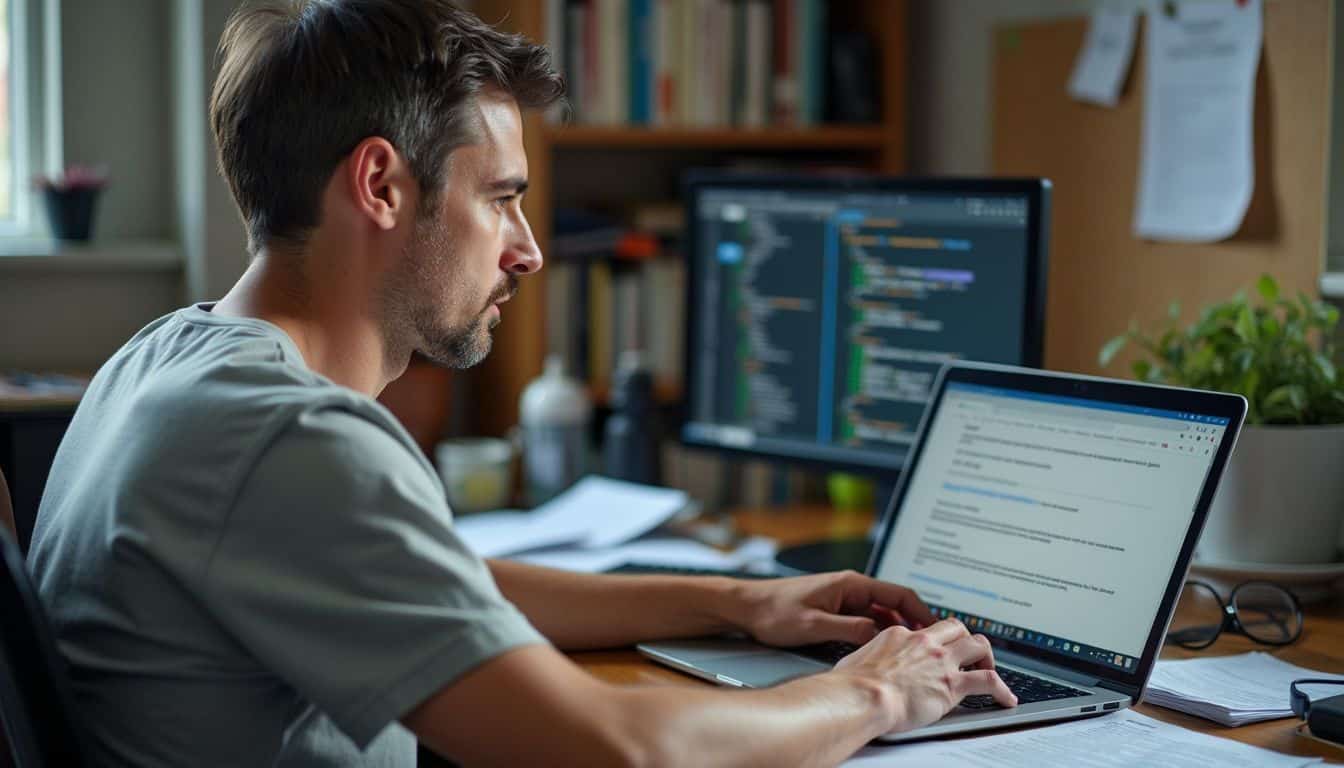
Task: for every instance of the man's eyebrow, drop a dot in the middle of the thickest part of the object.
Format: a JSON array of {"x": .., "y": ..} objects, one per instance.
[{"x": 515, "y": 184}]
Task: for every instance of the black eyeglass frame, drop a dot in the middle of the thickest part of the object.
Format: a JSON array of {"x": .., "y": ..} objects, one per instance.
[
  {"x": 1299, "y": 699},
  {"x": 1231, "y": 622}
]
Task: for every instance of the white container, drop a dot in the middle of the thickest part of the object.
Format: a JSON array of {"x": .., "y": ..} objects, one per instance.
[
  {"x": 555, "y": 414},
  {"x": 476, "y": 472},
  {"x": 1281, "y": 500}
]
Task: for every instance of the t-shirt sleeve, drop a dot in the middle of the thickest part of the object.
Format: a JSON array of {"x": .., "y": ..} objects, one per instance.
[{"x": 339, "y": 570}]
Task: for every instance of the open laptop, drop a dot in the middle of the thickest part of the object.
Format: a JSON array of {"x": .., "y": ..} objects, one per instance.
[{"x": 1055, "y": 514}]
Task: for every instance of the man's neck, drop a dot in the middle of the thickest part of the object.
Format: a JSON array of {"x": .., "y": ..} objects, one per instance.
[{"x": 330, "y": 321}]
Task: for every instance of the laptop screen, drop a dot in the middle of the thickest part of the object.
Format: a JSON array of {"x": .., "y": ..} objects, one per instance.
[{"x": 1050, "y": 520}]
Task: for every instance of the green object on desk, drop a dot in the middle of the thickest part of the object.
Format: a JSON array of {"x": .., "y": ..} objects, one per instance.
[{"x": 849, "y": 492}]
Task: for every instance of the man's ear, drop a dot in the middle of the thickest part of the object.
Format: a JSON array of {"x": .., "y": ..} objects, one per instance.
[{"x": 380, "y": 183}]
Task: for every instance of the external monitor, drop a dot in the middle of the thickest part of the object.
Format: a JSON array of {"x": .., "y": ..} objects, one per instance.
[{"x": 821, "y": 308}]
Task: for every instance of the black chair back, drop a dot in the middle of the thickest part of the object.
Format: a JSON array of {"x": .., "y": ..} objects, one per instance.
[{"x": 36, "y": 705}]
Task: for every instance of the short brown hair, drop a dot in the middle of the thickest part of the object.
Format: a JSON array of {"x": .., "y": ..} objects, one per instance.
[{"x": 302, "y": 82}]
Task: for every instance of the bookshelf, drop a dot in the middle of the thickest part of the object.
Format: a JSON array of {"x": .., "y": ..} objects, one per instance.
[{"x": 521, "y": 339}]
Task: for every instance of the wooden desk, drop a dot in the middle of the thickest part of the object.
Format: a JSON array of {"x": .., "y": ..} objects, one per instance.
[{"x": 1321, "y": 646}]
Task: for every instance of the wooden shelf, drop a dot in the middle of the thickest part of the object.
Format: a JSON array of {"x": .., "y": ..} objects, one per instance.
[
  {"x": 819, "y": 137},
  {"x": 665, "y": 393}
]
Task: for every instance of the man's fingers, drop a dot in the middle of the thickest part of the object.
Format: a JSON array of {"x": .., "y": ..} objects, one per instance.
[
  {"x": 850, "y": 629},
  {"x": 899, "y": 599},
  {"x": 972, "y": 651},
  {"x": 946, "y": 631},
  {"x": 979, "y": 681}
]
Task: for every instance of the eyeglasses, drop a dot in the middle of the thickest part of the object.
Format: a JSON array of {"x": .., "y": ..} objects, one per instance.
[{"x": 1261, "y": 610}]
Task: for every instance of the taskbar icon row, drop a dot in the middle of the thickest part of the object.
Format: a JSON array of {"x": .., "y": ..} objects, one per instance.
[{"x": 991, "y": 628}]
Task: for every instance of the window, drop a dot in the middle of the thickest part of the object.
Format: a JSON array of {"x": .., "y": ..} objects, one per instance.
[{"x": 29, "y": 111}]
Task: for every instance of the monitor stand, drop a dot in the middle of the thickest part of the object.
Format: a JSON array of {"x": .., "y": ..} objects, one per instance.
[{"x": 825, "y": 555}]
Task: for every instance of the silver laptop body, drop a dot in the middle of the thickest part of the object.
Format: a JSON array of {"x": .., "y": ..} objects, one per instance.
[{"x": 1090, "y": 493}]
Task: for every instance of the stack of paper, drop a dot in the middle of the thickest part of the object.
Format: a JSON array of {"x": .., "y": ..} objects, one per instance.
[
  {"x": 595, "y": 512},
  {"x": 1231, "y": 690}
]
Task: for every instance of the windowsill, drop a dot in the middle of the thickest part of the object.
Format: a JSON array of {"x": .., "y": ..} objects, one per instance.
[
  {"x": 96, "y": 256},
  {"x": 1332, "y": 285}
]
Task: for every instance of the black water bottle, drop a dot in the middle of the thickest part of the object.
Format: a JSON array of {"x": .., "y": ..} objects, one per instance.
[{"x": 630, "y": 447}]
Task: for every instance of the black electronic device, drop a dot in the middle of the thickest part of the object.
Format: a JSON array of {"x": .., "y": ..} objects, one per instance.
[
  {"x": 822, "y": 307},
  {"x": 1325, "y": 718}
]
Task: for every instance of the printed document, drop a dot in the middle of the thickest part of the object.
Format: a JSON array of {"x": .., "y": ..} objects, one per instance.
[
  {"x": 1197, "y": 168},
  {"x": 1121, "y": 740},
  {"x": 1232, "y": 690}
]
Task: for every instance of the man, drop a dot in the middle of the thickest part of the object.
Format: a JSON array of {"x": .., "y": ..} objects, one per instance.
[{"x": 245, "y": 558}]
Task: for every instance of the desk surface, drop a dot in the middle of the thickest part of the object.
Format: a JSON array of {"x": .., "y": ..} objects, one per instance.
[{"x": 1321, "y": 646}]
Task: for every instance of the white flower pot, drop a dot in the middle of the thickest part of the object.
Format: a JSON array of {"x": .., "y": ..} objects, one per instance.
[{"x": 1281, "y": 499}]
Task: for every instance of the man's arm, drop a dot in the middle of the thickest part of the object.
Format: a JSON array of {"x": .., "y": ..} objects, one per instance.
[
  {"x": 578, "y": 611},
  {"x": 532, "y": 706}
]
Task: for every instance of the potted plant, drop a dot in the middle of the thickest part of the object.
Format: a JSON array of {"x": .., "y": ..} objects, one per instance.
[
  {"x": 70, "y": 198},
  {"x": 1281, "y": 500}
]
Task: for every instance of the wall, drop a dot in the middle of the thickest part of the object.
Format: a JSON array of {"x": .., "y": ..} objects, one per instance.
[
  {"x": 122, "y": 101},
  {"x": 950, "y": 49}
]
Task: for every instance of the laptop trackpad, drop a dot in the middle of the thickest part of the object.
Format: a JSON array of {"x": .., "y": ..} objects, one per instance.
[{"x": 769, "y": 667}]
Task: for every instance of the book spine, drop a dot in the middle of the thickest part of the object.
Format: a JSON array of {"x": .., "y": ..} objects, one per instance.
[
  {"x": 757, "y": 76},
  {"x": 600, "y": 333},
  {"x": 555, "y": 43},
  {"x": 667, "y": 32},
  {"x": 785, "y": 101},
  {"x": 640, "y": 62},
  {"x": 816, "y": 59},
  {"x": 737, "y": 64},
  {"x": 576, "y": 60}
]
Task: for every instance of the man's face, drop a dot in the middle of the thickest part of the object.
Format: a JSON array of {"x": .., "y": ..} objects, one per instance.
[{"x": 466, "y": 253}]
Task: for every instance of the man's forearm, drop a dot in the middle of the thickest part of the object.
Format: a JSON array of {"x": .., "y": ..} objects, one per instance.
[
  {"x": 577, "y": 611},
  {"x": 558, "y": 715},
  {"x": 815, "y": 721}
]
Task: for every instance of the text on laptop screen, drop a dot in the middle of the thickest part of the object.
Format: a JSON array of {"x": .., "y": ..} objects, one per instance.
[{"x": 1051, "y": 520}]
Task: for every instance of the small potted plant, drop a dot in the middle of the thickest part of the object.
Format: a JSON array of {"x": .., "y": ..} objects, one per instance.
[
  {"x": 1281, "y": 500},
  {"x": 70, "y": 198}
]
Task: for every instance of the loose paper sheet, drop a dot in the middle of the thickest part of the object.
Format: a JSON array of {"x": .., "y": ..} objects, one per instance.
[
  {"x": 1099, "y": 74},
  {"x": 1120, "y": 740},
  {"x": 1197, "y": 168}
]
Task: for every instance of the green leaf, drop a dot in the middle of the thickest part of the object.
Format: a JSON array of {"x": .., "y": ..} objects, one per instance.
[
  {"x": 1143, "y": 370},
  {"x": 1245, "y": 326},
  {"x": 1268, "y": 288},
  {"x": 1326, "y": 367},
  {"x": 1111, "y": 349}
]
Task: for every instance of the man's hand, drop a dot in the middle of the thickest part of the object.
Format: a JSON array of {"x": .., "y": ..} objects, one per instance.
[
  {"x": 844, "y": 606},
  {"x": 925, "y": 674}
]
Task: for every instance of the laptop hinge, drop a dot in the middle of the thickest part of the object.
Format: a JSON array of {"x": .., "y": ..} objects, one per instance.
[{"x": 1129, "y": 690}]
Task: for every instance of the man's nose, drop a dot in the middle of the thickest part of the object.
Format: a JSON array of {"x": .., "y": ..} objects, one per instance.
[{"x": 522, "y": 255}]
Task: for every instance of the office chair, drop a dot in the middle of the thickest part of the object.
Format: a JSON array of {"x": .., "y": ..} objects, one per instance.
[
  {"x": 36, "y": 705},
  {"x": 7, "y": 509}
]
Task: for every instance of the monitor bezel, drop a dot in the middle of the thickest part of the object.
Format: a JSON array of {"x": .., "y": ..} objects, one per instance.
[
  {"x": 1218, "y": 404},
  {"x": 1037, "y": 192}
]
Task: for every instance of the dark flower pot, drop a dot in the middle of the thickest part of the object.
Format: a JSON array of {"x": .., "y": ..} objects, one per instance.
[{"x": 70, "y": 212}]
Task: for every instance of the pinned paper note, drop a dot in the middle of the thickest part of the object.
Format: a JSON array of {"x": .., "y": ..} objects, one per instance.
[
  {"x": 1198, "y": 170},
  {"x": 1104, "y": 61}
]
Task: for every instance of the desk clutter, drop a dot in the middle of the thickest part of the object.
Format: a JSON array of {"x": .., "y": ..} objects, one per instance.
[
  {"x": 599, "y": 524},
  {"x": 1232, "y": 690}
]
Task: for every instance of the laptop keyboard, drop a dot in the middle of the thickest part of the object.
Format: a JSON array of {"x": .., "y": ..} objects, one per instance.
[{"x": 1028, "y": 688}]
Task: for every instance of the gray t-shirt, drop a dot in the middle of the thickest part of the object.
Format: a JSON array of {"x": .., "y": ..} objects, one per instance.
[{"x": 247, "y": 564}]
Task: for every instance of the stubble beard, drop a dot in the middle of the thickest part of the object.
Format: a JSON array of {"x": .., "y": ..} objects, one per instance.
[{"x": 434, "y": 264}]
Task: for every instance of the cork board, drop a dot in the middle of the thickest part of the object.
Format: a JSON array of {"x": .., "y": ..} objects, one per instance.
[{"x": 1101, "y": 276}]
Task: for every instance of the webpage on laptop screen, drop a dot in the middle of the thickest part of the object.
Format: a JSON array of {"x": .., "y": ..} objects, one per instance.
[{"x": 1050, "y": 519}]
